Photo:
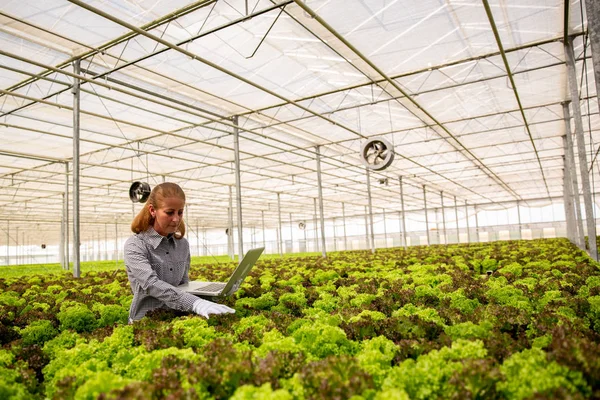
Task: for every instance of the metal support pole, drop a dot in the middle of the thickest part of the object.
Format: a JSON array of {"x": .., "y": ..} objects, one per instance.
[
  {"x": 568, "y": 199},
  {"x": 477, "y": 225},
  {"x": 368, "y": 241},
  {"x": 426, "y": 217},
  {"x": 262, "y": 213},
  {"x": 437, "y": 225},
  {"x": 238, "y": 188},
  {"x": 76, "y": 109},
  {"x": 403, "y": 213},
  {"x": 205, "y": 245},
  {"x": 61, "y": 246},
  {"x": 291, "y": 233},
  {"x": 105, "y": 242},
  {"x": 372, "y": 242},
  {"x": 344, "y": 221},
  {"x": 66, "y": 249},
  {"x": 197, "y": 239},
  {"x": 316, "y": 225},
  {"x": 467, "y": 219},
  {"x": 444, "y": 218},
  {"x": 116, "y": 242},
  {"x": 17, "y": 246},
  {"x": 592, "y": 9},
  {"x": 519, "y": 216},
  {"x": 230, "y": 226},
  {"x": 384, "y": 229},
  {"x": 334, "y": 236},
  {"x": 572, "y": 171},
  {"x": 456, "y": 215},
  {"x": 583, "y": 165},
  {"x": 279, "y": 231},
  {"x": 320, "y": 187},
  {"x": 8, "y": 242}
]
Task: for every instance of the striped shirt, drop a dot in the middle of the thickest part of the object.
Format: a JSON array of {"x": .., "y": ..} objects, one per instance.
[{"x": 155, "y": 265}]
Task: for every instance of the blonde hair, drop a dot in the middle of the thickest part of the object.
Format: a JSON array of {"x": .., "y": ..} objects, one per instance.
[{"x": 144, "y": 220}]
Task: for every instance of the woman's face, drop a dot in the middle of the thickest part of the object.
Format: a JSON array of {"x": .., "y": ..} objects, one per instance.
[{"x": 168, "y": 217}]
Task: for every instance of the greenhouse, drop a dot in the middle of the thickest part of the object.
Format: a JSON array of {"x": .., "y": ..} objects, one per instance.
[{"x": 422, "y": 175}]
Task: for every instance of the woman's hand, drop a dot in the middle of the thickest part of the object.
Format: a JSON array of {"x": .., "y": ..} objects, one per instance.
[{"x": 204, "y": 308}]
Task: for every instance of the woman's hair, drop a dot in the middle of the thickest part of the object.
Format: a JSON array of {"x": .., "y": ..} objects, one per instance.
[{"x": 144, "y": 220}]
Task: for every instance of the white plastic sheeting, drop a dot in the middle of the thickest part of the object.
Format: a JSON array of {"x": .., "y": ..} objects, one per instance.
[{"x": 428, "y": 76}]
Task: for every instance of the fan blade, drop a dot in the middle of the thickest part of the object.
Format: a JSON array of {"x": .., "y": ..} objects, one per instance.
[
  {"x": 371, "y": 158},
  {"x": 382, "y": 155}
]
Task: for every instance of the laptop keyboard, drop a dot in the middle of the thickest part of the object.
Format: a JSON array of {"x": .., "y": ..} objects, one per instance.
[{"x": 212, "y": 287}]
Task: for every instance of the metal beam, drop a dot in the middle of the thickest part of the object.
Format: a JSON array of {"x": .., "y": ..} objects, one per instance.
[
  {"x": 467, "y": 219},
  {"x": 571, "y": 169},
  {"x": 321, "y": 213},
  {"x": 372, "y": 236},
  {"x": 443, "y": 218},
  {"x": 461, "y": 148},
  {"x": 76, "y": 107},
  {"x": 490, "y": 16},
  {"x": 403, "y": 213},
  {"x": 426, "y": 217},
  {"x": 583, "y": 165},
  {"x": 238, "y": 189},
  {"x": 279, "y": 228},
  {"x": 592, "y": 8}
]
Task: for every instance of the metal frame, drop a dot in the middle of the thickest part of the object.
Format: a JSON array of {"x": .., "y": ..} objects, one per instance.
[{"x": 200, "y": 134}]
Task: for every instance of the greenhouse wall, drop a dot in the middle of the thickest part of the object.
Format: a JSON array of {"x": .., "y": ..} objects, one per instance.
[{"x": 304, "y": 241}]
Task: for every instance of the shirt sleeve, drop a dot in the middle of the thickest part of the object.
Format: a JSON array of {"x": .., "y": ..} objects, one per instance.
[
  {"x": 186, "y": 275},
  {"x": 142, "y": 275}
]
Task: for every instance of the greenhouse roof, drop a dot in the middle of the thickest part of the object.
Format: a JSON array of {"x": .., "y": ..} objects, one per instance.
[{"x": 470, "y": 95}]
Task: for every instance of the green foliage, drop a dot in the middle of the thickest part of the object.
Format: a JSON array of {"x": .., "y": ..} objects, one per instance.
[
  {"x": 469, "y": 330},
  {"x": 375, "y": 357},
  {"x": 102, "y": 382},
  {"x": 111, "y": 314},
  {"x": 76, "y": 316},
  {"x": 357, "y": 325},
  {"x": 429, "y": 376},
  {"x": 513, "y": 268},
  {"x": 274, "y": 340},
  {"x": 264, "y": 392},
  {"x": 324, "y": 276},
  {"x": 424, "y": 313},
  {"x": 321, "y": 340},
  {"x": 264, "y": 302},
  {"x": 463, "y": 304},
  {"x": 362, "y": 300},
  {"x": 195, "y": 331},
  {"x": 368, "y": 315},
  {"x": 64, "y": 341},
  {"x": 529, "y": 372},
  {"x": 594, "y": 313},
  {"x": 292, "y": 302},
  {"x": 507, "y": 295},
  {"x": 38, "y": 332},
  {"x": 326, "y": 302},
  {"x": 11, "y": 298}
]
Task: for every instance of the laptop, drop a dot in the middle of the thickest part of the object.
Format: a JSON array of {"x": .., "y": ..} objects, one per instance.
[{"x": 217, "y": 289}]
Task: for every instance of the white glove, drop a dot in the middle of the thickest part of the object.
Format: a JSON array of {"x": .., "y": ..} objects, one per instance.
[{"x": 204, "y": 308}]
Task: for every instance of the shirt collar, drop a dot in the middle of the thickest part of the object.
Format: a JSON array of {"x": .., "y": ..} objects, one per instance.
[{"x": 155, "y": 238}]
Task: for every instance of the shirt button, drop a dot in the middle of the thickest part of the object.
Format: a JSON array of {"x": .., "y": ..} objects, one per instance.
[
  {"x": 167, "y": 252},
  {"x": 171, "y": 269}
]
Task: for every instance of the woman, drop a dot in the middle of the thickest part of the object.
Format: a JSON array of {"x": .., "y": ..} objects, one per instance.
[{"x": 157, "y": 257}]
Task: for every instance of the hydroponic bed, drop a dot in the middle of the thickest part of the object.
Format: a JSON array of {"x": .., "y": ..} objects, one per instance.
[{"x": 517, "y": 319}]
